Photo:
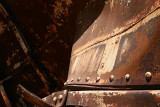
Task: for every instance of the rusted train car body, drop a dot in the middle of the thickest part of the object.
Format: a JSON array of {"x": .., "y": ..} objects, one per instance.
[{"x": 115, "y": 60}]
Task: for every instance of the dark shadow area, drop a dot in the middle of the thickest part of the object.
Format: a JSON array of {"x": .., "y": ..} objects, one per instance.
[{"x": 48, "y": 29}]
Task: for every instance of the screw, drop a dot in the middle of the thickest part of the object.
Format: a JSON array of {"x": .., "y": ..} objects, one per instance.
[
  {"x": 111, "y": 78},
  {"x": 127, "y": 77},
  {"x": 148, "y": 76},
  {"x": 60, "y": 97},
  {"x": 54, "y": 99},
  {"x": 87, "y": 79},
  {"x": 79, "y": 78},
  {"x": 98, "y": 78}
]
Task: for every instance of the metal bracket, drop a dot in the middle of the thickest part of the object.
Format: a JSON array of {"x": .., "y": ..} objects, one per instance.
[{"x": 56, "y": 99}]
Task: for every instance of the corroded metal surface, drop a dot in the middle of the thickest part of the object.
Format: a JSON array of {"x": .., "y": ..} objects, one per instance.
[
  {"x": 131, "y": 44},
  {"x": 134, "y": 98},
  {"x": 117, "y": 16}
]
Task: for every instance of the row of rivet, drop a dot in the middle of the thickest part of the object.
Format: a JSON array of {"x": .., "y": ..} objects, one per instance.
[
  {"x": 148, "y": 76},
  {"x": 59, "y": 98}
]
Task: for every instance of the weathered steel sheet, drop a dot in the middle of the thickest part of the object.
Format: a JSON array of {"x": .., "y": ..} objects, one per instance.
[
  {"x": 130, "y": 58},
  {"x": 116, "y": 17},
  {"x": 125, "y": 98}
]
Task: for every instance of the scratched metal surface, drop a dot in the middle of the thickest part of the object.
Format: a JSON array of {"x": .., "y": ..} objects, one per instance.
[
  {"x": 136, "y": 98},
  {"x": 129, "y": 31}
]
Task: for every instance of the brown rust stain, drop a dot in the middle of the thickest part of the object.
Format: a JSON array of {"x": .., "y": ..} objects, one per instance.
[
  {"x": 110, "y": 27},
  {"x": 114, "y": 98},
  {"x": 132, "y": 54}
]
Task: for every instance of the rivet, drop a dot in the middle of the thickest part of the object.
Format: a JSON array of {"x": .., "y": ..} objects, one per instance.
[
  {"x": 67, "y": 81},
  {"x": 127, "y": 77},
  {"x": 72, "y": 80},
  {"x": 111, "y": 78},
  {"x": 148, "y": 76},
  {"x": 87, "y": 79},
  {"x": 60, "y": 97},
  {"x": 52, "y": 94},
  {"x": 79, "y": 78},
  {"x": 98, "y": 78},
  {"x": 65, "y": 92},
  {"x": 54, "y": 99}
]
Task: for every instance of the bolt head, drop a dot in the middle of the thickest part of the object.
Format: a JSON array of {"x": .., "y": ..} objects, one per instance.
[
  {"x": 54, "y": 99},
  {"x": 60, "y": 97},
  {"x": 87, "y": 79},
  {"x": 148, "y": 75},
  {"x": 79, "y": 78},
  {"x": 127, "y": 77},
  {"x": 111, "y": 78},
  {"x": 98, "y": 78}
]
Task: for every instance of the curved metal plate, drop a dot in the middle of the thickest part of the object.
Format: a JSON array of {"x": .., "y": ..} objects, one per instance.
[{"x": 134, "y": 51}]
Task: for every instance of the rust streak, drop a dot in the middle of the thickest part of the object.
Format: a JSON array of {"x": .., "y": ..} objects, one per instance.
[{"x": 119, "y": 33}]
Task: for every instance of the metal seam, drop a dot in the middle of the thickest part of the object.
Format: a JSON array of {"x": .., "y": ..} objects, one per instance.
[{"x": 129, "y": 27}]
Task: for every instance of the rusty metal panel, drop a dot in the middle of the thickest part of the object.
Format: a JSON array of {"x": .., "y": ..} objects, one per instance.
[
  {"x": 130, "y": 58},
  {"x": 116, "y": 17},
  {"x": 124, "y": 98}
]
